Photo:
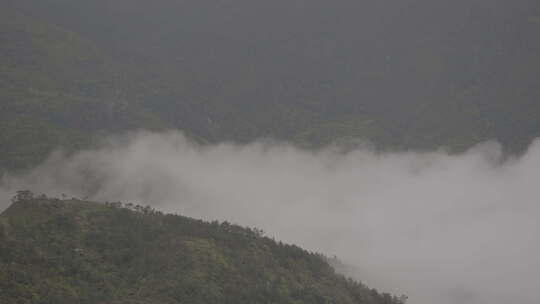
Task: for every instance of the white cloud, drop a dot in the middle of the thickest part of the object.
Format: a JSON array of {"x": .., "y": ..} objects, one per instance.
[{"x": 440, "y": 228}]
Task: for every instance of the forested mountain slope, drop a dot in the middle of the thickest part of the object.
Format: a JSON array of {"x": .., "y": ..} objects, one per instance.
[
  {"x": 403, "y": 74},
  {"x": 70, "y": 251}
]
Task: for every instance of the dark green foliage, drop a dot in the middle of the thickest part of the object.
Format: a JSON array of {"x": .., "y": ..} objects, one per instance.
[
  {"x": 54, "y": 251},
  {"x": 23, "y": 195},
  {"x": 409, "y": 74}
]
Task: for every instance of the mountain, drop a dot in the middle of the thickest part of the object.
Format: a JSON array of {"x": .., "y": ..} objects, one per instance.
[
  {"x": 411, "y": 74},
  {"x": 71, "y": 251}
]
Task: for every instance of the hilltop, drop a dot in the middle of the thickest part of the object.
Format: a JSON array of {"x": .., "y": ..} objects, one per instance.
[{"x": 72, "y": 251}]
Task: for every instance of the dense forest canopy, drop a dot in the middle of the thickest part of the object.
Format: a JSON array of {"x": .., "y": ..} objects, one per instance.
[
  {"x": 71, "y": 251},
  {"x": 403, "y": 75},
  {"x": 410, "y": 74}
]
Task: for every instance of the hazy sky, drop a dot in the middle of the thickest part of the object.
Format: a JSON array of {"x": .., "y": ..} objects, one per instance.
[{"x": 442, "y": 229}]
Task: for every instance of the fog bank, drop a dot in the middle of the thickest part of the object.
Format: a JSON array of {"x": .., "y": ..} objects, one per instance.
[{"x": 443, "y": 229}]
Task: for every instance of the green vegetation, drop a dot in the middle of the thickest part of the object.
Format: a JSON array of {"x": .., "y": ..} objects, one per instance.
[
  {"x": 56, "y": 90},
  {"x": 73, "y": 71},
  {"x": 71, "y": 251}
]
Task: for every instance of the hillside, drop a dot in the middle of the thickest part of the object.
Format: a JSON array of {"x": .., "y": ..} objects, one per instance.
[
  {"x": 70, "y": 251},
  {"x": 56, "y": 89},
  {"x": 413, "y": 74}
]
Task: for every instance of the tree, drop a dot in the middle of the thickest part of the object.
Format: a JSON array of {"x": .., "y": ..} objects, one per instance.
[
  {"x": 23, "y": 195},
  {"x": 402, "y": 299}
]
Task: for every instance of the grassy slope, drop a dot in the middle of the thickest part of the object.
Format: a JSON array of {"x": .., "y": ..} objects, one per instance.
[{"x": 54, "y": 251}]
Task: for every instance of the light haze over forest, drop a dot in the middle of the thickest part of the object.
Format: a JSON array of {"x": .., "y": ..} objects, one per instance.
[{"x": 398, "y": 135}]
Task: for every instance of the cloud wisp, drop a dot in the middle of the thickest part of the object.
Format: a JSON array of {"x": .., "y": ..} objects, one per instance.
[{"x": 441, "y": 228}]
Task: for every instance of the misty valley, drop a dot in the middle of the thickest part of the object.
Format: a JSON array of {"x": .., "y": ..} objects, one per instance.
[{"x": 269, "y": 152}]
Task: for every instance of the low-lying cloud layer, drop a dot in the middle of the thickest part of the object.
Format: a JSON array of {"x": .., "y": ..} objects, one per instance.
[{"x": 442, "y": 229}]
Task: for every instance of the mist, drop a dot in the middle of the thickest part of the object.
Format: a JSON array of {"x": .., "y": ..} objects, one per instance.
[{"x": 440, "y": 228}]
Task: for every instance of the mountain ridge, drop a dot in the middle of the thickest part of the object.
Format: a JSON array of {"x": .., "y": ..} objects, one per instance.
[{"x": 72, "y": 251}]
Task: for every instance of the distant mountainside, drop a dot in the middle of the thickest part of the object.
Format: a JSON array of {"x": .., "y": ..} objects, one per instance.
[
  {"x": 58, "y": 251},
  {"x": 409, "y": 74}
]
